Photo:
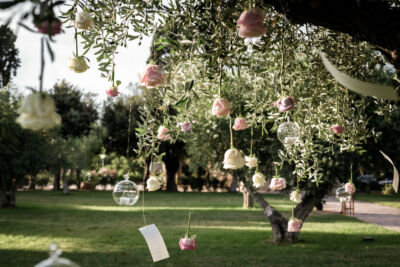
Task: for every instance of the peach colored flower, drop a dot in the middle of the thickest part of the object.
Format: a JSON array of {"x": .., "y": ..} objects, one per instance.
[
  {"x": 221, "y": 107},
  {"x": 187, "y": 244},
  {"x": 349, "y": 188},
  {"x": 112, "y": 92},
  {"x": 338, "y": 129},
  {"x": 251, "y": 23},
  {"x": 277, "y": 184},
  {"x": 162, "y": 133},
  {"x": 294, "y": 225},
  {"x": 152, "y": 77},
  {"x": 240, "y": 124},
  {"x": 285, "y": 104}
]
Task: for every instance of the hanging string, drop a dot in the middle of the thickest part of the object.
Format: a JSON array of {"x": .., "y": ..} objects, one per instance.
[
  {"x": 42, "y": 62},
  {"x": 220, "y": 79},
  {"x": 188, "y": 225},
  {"x": 230, "y": 129},
  {"x": 351, "y": 173},
  {"x": 282, "y": 62},
  {"x": 129, "y": 128},
  {"x": 113, "y": 70}
]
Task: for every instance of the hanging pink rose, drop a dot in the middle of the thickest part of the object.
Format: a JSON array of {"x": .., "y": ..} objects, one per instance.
[
  {"x": 349, "y": 188},
  {"x": 338, "y": 129},
  {"x": 277, "y": 184},
  {"x": 221, "y": 107},
  {"x": 152, "y": 77},
  {"x": 186, "y": 126},
  {"x": 240, "y": 124},
  {"x": 294, "y": 225},
  {"x": 251, "y": 23},
  {"x": 112, "y": 92},
  {"x": 285, "y": 104},
  {"x": 162, "y": 133},
  {"x": 51, "y": 27},
  {"x": 187, "y": 244}
]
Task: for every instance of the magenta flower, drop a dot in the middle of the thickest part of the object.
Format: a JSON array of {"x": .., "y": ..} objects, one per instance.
[
  {"x": 152, "y": 77},
  {"x": 240, "y": 124},
  {"x": 251, "y": 23},
  {"x": 51, "y": 27},
  {"x": 112, "y": 92},
  {"x": 162, "y": 133},
  {"x": 349, "y": 188},
  {"x": 277, "y": 184},
  {"x": 221, "y": 107},
  {"x": 338, "y": 129},
  {"x": 187, "y": 244},
  {"x": 186, "y": 126},
  {"x": 285, "y": 104},
  {"x": 294, "y": 225}
]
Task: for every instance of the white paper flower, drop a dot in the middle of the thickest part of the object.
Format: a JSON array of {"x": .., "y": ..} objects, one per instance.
[
  {"x": 153, "y": 183},
  {"x": 295, "y": 196},
  {"x": 38, "y": 112},
  {"x": 258, "y": 180},
  {"x": 233, "y": 159},
  {"x": 83, "y": 21},
  {"x": 78, "y": 64},
  {"x": 251, "y": 162}
]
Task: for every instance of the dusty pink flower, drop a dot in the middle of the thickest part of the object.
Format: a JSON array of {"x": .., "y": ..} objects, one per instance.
[
  {"x": 349, "y": 188},
  {"x": 187, "y": 244},
  {"x": 162, "y": 133},
  {"x": 338, "y": 129},
  {"x": 186, "y": 126},
  {"x": 277, "y": 184},
  {"x": 51, "y": 27},
  {"x": 285, "y": 104},
  {"x": 294, "y": 225},
  {"x": 240, "y": 124},
  {"x": 152, "y": 77},
  {"x": 112, "y": 92},
  {"x": 251, "y": 23},
  {"x": 221, "y": 107}
]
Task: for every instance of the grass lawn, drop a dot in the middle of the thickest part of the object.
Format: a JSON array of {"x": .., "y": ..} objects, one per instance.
[
  {"x": 93, "y": 231},
  {"x": 392, "y": 201}
]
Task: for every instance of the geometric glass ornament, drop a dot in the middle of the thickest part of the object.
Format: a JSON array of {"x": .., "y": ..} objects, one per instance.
[
  {"x": 55, "y": 260},
  {"x": 125, "y": 192},
  {"x": 342, "y": 195},
  {"x": 288, "y": 133}
]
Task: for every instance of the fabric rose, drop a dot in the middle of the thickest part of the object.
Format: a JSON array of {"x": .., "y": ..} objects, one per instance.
[
  {"x": 240, "y": 124},
  {"x": 50, "y": 27},
  {"x": 186, "y": 126},
  {"x": 162, "y": 133},
  {"x": 112, "y": 92},
  {"x": 221, "y": 107},
  {"x": 251, "y": 162},
  {"x": 349, "y": 188},
  {"x": 83, "y": 21},
  {"x": 338, "y": 129},
  {"x": 294, "y": 225},
  {"x": 277, "y": 184},
  {"x": 37, "y": 112},
  {"x": 187, "y": 244},
  {"x": 153, "y": 183},
  {"x": 251, "y": 23},
  {"x": 78, "y": 64},
  {"x": 152, "y": 77},
  {"x": 295, "y": 196},
  {"x": 258, "y": 180},
  {"x": 233, "y": 159},
  {"x": 285, "y": 104}
]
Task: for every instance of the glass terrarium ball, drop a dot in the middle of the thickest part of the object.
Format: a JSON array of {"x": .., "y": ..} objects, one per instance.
[
  {"x": 342, "y": 195},
  {"x": 126, "y": 193},
  {"x": 288, "y": 133}
]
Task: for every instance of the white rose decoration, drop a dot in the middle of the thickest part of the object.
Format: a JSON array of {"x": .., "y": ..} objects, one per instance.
[
  {"x": 153, "y": 183},
  {"x": 233, "y": 159},
  {"x": 251, "y": 162},
  {"x": 78, "y": 64},
  {"x": 38, "y": 112},
  {"x": 83, "y": 21},
  {"x": 258, "y": 180},
  {"x": 295, "y": 196}
]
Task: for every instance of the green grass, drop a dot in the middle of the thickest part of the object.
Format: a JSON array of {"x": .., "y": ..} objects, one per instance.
[
  {"x": 391, "y": 201},
  {"x": 93, "y": 231}
]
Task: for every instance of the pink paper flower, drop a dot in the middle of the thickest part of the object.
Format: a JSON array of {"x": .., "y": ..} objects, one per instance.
[
  {"x": 186, "y": 126},
  {"x": 294, "y": 225},
  {"x": 251, "y": 23},
  {"x": 221, "y": 107},
  {"x": 285, "y": 104},
  {"x": 112, "y": 92},
  {"x": 162, "y": 133},
  {"x": 152, "y": 77},
  {"x": 187, "y": 244},
  {"x": 51, "y": 27},
  {"x": 338, "y": 129},
  {"x": 349, "y": 188},
  {"x": 277, "y": 184},
  {"x": 240, "y": 124}
]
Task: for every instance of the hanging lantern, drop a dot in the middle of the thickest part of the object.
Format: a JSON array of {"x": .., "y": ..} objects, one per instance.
[
  {"x": 342, "y": 195},
  {"x": 55, "y": 260},
  {"x": 125, "y": 192},
  {"x": 289, "y": 133}
]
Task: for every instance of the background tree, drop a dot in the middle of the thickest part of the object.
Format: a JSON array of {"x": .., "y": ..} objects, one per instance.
[{"x": 9, "y": 60}]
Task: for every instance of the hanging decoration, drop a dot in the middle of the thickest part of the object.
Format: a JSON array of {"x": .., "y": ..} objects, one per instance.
[
  {"x": 240, "y": 124},
  {"x": 185, "y": 126},
  {"x": 338, "y": 129},
  {"x": 162, "y": 133},
  {"x": 83, "y": 21},
  {"x": 233, "y": 158},
  {"x": 295, "y": 196},
  {"x": 221, "y": 107},
  {"x": 395, "y": 183},
  {"x": 294, "y": 225},
  {"x": 154, "y": 183},
  {"x": 189, "y": 241},
  {"x": 155, "y": 242},
  {"x": 342, "y": 195},
  {"x": 251, "y": 161},
  {"x": 277, "y": 184},
  {"x": 55, "y": 259},
  {"x": 258, "y": 180},
  {"x": 112, "y": 92},
  {"x": 288, "y": 133},
  {"x": 125, "y": 192},
  {"x": 251, "y": 23},
  {"x": 153, "y": 76},
  {"x": 285, "y": 104},
  {"x": 78, "y": 64}
]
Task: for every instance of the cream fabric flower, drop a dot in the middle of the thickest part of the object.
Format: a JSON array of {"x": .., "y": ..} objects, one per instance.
[
  {"x": 38, "y": 112},
  {"x": 251, "y": 162},
  {"x": 258, "y": 180},
  {"x": 295, "y": 196},
  {"x": 294, "y": 225},
  {"x": 277, "y": 184},
  {"x": 233, "y": 159},
  {"x": 78, "y": 64},
  {"x": 83, "y": 21},
  {"x": 153, "y": 183}
]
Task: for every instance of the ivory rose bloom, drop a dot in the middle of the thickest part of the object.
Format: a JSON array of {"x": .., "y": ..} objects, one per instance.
[
  {"x": 50, "y": 27},
  {"x": 221, "y": 107},
  {"x": 186, "y": 126},
  {"x": 162, "y": 133},
  {"x": 233, "y": 159},
  {"x": 295, "y": 196},
  {"x": 240, "y": 124},
  {"x": 285, "y": 104},
  {"x": 338, "y": 129},
  {"x": 294, "y": 225},
  {"x": 78, "y": 64},
  {"x": 37, "y": 112},
  {"x": 349, "y": 188},
  {"x": 83, "y": 21},
  {"x": 112, "y": 92},
  {"x": 251, "y": 161},
  {"x": 153, "y": 183},
  {"x": 277, "y": 184},
  {"x": 251, "y": 23},
  {"x": 152, "y": 77},
  {"x": 258, "y": 180},
  {"x": 187, "y": 244}
]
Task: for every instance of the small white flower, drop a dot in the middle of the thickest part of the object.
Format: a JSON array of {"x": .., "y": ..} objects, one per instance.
[
  {"x": 233, "y": 159},
  {"x": 78, "y": 64},
  {"x": 295, "y": 196},
  {"x": 258, "y": 180},
  {"x": 251, "y": 162},
  {"x": 153, "y": 183},
  {"x": 83, "y": 21}
]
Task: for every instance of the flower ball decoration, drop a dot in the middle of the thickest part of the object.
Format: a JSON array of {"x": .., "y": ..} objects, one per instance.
[
  {"x": 251, "y": 23},
  {"x": 251, "y": 161},
  {"x": 154, "y": 183},
  {"x": 189, "y": 241},
  {"x": 258, "y": 180},
  {"x": 125, "y": 192},
  {"x": 338, "y": 129},
  {"x": 162, "y": 133},
  {"x": 50, "y": 26},
  {"x": 289, "y": 133},
  {"x": 342, "y": 195},
  {"x": 295, "y": 196},
  {"x": 78, "y": 64},
  {"x": 112, "y": 92},
  {"x": 277, "y": 184},
  {"x": 233, "y": 159},
  {"x": 221, "y": 107},
  {"x": 240, "y": 124},
  {"x": 285, "y": 104},
  {"x": 350, "y": 188},
  {"x": 83, "y": 21},
  {"x": 294, "y": 225},
  {"x": 153, "y": 76},
  {"x": 186, "y": 126}
]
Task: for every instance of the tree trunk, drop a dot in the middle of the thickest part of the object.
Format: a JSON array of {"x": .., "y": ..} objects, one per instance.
[
  {"x": 66, "y": 179},
  {"x": 146, "y": 172},
  {"x": 172, "y": 168},
  {"x": 234, "y": 184},
  {"x": 32, "y": 184},
  {"x": 78, "y": 178},
  {"x": 8, "y": 198},
  {"x": 248, "y": 200},
  {"x": 56, "y": 183}
]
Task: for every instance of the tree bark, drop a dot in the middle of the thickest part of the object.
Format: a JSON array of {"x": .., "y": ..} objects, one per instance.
[
  {"x": 248, "y": 200},
  {"x": 32, "y": 184},
  {"x": 56, "y": 183},
  {"x": 234, "y": 184},
  {"x": 172, "y": 168},
  {"x": 66, "y": 179},
  {"x": 8, "y": 197},
  {"x": 78, "y": 178}
]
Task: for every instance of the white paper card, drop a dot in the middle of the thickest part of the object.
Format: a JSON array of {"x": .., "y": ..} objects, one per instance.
[
  {"x": 395, "y": 183},
  {"x": 155, "y": 242},
  {"x": 361, "y": 87}
]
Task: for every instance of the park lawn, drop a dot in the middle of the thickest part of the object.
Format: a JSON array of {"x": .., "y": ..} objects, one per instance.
[
  {"x": 391, "y": 200},
  {"x": 93, "y": 231}
]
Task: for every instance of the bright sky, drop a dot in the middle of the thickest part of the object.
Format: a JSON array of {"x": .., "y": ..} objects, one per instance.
[{"x": 129, "y": 61}]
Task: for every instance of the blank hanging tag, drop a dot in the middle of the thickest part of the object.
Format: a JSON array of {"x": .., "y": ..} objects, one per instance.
[
  {"x": 155, "y": 242},
  {"x": 395, "y": 183}
]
